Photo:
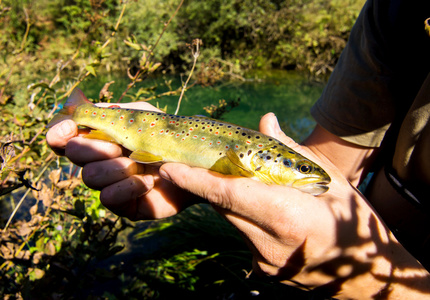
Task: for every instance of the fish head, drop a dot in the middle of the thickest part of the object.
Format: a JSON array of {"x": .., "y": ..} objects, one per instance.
[
  {"x": 311, "y": 178},
  {"x": 289, "y": 168}
]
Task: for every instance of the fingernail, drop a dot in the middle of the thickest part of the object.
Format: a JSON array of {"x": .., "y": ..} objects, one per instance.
[
  {"x": 148, "y": 181},
  {"x": 164, "y": 174},
  {"x": 275, "y": 123}
]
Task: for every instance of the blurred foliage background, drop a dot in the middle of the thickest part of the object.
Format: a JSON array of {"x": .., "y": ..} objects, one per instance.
[{"x": 64, "y": 244}]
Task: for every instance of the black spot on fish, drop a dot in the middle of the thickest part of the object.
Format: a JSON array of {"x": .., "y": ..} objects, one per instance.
[
  {"x": 229, "y": 126},
  {"x": 241, "y": 155},
  {"x": 237, "y": 132},
  {"x": 249, "y": 152},
  {"x": 274, "y": 147},
  {"x": 291, "y": 152},
  {"x": 270, "y": 140},
  {"x": 257, "y": 137},
  {"x": 258, "y": 169},
  {"x": 287, "y": 162},
  {"x": 268, "y": 157},
  {"x": 279, "y": 154},
  {"x": 249, "y": 136},
  {"x": 243, "y": 133},
  {"x": 261, "y": 151}
]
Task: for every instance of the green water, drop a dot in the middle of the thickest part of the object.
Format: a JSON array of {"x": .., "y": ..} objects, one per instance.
[{"x": 288, "y": 94}]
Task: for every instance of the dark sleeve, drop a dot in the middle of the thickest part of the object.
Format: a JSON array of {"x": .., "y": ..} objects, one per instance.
[{"x": 378, "y": 74}]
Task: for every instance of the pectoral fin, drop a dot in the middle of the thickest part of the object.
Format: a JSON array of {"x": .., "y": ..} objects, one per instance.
[
  {"x": 232, "y": 156},
  {"x": 100, "y": 135},
  {"x": 145, "y": 157}
]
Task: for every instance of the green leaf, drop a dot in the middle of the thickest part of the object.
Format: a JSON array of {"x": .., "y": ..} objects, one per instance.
[
  {"x": 133, "y": 45},
  {"x": 91, "y": 69}
]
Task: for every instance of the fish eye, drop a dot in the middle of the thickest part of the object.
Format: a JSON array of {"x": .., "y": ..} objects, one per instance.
[{"x": 304, "y": 168}]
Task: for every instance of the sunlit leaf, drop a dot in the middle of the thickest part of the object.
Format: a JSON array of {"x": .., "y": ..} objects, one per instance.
[
  {"x": 133, "y": 45},
  {"x": 91, "y": 69}
]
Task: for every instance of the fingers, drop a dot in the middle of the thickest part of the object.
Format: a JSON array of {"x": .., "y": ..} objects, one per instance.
[
  {"x": 59, "y": 135},
  {"x": 145, "y": 197},
  {"x": 82, "y": 151},
  {"x": 243, "y": 197},
  {"x": 269, "y": 125},
  {"x": 123, "y": 197},
  {"x": 100, "y": 174}
]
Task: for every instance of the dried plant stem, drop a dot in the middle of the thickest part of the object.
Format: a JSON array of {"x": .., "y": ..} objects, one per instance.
[
  {"x": 196, "y": 54},
  {"x": 25, "y": 195},
  {"x": 27, "y": 30}
]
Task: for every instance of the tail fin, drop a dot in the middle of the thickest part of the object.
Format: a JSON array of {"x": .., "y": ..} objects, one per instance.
[{"x": 76, "y": 98}]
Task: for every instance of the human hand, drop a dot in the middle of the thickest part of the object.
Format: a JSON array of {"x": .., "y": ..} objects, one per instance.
[
  {"x": 127, "y": 188},
  {"x": 333, "y": 243}
]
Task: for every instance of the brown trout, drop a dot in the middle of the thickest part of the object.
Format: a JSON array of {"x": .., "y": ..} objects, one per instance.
[{"x": 155, "y": 137}]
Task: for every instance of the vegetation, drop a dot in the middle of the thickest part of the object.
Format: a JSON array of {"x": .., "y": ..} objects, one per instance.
[{"x": 64, "y": 244}]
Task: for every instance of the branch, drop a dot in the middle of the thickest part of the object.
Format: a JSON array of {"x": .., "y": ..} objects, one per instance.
[{"x": 196, "y": 54}]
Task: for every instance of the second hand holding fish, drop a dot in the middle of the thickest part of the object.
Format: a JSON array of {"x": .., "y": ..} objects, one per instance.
[{"x": 290, "y": 233}]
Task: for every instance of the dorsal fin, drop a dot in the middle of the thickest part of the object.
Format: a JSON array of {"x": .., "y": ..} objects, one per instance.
[{"x": 76, "y": 98}]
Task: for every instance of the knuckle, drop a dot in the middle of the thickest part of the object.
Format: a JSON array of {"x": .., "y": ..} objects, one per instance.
[
  {"x": 221, "y": 194},
  {"x": 89, "y": 173}
]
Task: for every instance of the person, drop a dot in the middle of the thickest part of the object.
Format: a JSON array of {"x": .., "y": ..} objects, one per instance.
[{"x": 372, "y": 116}]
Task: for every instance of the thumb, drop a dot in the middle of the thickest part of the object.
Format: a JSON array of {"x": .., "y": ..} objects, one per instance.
[
  {"x": 204, "y": 183},
  {"x": 59, "y": 135},
  {"x": 237, "y": 194},
  {"x": 269, "y": 125}
]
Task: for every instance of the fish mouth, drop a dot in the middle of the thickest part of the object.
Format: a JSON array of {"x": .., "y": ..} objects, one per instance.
[{"x": 312, "y": 185}]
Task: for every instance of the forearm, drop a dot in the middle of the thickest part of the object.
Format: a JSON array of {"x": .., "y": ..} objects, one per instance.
[
  {"x": 363, "y": 261},
  {"x": 392, "y": 272}
]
